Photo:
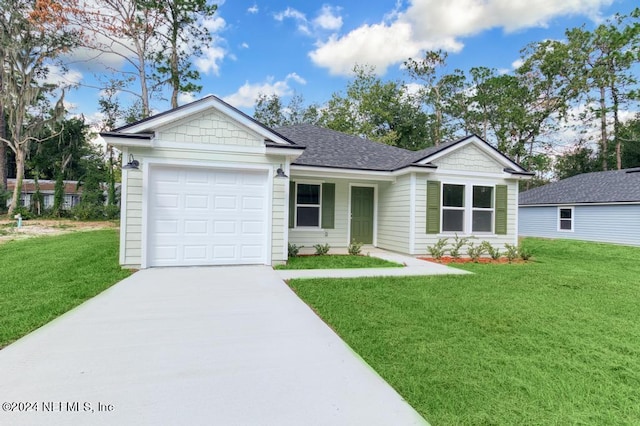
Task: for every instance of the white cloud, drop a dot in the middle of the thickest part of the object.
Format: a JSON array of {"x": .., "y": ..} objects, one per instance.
[
  {"x": 328, "y": 19},
  {"x": 244, "y": 45},
  {"x": 186, "y": 98},
  {"x": 246, "y": 95},
  {"x": 517, "y": 64},
  {"x": 210, "y": 59},
  {"x": 434, "y": 24},
  {"x": 253, "y": 9}
]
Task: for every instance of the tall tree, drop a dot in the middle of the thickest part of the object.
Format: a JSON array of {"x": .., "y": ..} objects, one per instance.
[
  {"x": 124, "y": 30},
  {"x": 442, "y": 94},
  {"x": 182, "y": 33},
  {"x": 32, "y": 35}
]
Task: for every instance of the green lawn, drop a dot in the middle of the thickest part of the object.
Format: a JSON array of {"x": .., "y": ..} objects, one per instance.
[
  {"x": 337, "y": 262},
  {"x": 555, "y": 341},
  {"x": 41, "y": 278}
]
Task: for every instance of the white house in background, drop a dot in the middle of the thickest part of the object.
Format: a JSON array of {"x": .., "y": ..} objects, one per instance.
[
  {"x": 216, "y": 187},
  {"x": 600, "y": 206}
]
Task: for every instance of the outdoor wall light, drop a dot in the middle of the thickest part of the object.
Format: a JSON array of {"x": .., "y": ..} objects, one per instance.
[
  {"x": 280, "y": 173},
  {"x": 133, "y": 164}
]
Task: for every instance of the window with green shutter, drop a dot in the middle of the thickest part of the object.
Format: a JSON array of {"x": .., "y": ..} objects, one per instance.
[
  {"x": 328, "y": 205},
  {"x": 292, "y": 204}
]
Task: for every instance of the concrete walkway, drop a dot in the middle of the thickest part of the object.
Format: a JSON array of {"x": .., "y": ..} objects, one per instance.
[
  {"x": 413, "y": 267},
  {"x": 193, "y": 346}
]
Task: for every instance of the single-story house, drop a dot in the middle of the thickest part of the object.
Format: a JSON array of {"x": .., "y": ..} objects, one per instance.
[
  {"x": 72, "y": 192},
  {"x": 212, "y": 186},
  {"x": 599, "y": 206}
]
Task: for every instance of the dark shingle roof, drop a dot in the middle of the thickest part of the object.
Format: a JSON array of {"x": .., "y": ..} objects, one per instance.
[
  {"x": 329, "y": 148},
  {"x": 616, "y": 186}
]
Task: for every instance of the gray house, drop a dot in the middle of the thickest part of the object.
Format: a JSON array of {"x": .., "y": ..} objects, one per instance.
[
  {"x": 212, "y": 186},
  {"x": 600, "y": 206}
]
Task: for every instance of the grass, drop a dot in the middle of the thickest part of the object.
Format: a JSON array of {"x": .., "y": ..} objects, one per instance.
[
  {"x": 337, "y": 262},
  {"x": 46, "y": 276},
  {"x": 555, "y": 341}
]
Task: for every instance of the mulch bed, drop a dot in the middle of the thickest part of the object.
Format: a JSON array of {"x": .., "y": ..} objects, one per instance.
[{"x": 445, "y": 260}]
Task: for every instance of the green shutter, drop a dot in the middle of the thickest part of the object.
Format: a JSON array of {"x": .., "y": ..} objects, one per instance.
[
  {"x": 433, "y": 207},
  {"x": 501, "y": 209},
  {"x": 292, "y": 203},
  {"x": 328, "y": 205}
]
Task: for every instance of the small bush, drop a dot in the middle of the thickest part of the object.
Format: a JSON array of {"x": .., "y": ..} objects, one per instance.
[
  {"x": 354, "y": 248},
  {"x": 511, "y": 252},
  {"x": 293, "y": 250},
  {"x": 493, "y": 252},
  {"x": 438, "y": 249},
  {"x": 475, "y": 251},
  {"x": 456, "y": 246},
  {"x": 525, "y": 253},
  {"x": 322, "y": 249},
  {"x": 24, "y": 212}
]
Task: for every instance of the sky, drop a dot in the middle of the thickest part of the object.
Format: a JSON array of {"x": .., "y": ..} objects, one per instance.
[{"x": 310, "y": 48}]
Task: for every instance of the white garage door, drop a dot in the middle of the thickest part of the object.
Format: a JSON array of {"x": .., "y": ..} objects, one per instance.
[{"x": 206, "y": 217}]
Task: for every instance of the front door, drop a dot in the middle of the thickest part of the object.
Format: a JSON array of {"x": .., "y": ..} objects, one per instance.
[{"x": 362, "y": 214}]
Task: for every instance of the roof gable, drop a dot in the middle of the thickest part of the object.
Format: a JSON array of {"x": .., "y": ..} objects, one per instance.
[
  {"x": 615, "y": 186},
  {"x": 167, "y": 118}
]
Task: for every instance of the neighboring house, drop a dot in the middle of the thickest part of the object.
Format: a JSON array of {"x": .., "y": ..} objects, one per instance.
[
  {"x": 600, "y": 206},
  {"x": 216, "y": 187},
  {"x": 47, "y": 188}
]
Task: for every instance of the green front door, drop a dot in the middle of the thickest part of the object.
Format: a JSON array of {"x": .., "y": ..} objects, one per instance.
[{"x": 362, "y": 214}]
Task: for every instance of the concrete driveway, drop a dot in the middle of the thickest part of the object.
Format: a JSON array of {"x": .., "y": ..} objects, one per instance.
[{"x": 214, "y": 346}]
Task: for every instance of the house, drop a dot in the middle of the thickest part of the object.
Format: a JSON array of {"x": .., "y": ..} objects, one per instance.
[
  {"x": 72, "y": 192},
  {"x": 600, "y": 206},
  {"x": 212, "y": 186}
]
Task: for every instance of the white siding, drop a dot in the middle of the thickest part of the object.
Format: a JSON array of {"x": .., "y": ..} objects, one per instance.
[
  {"x": 470, "y": 159},
  {"x": 209, "y": 127},
  {"x": 394, "y": 215},
  {"x": 423, "y": 240},
  {"x": 337, "y": 237},
  {"x": 278, "y": 211},
  {"x": 618, "y": 224},
  {"x": 133, "y": 213}
]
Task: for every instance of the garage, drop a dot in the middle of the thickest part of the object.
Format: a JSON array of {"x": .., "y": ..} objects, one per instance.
[{"x": 202, "y": 216}]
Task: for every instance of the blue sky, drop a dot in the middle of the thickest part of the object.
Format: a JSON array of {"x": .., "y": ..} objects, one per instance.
[{"x": 309, "y": 47}]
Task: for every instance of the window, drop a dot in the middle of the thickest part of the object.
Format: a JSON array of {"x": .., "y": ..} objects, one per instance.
[
  {"x": 565, "y": 219},
  {"x": 452, "y": 208},
  {"x": 307, "y": 205},
  {"x": 482, "y": 211}
]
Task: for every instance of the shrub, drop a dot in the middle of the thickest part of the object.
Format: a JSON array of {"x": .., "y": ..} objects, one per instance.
[
  {"x": 24, "y": 212},
  {"x": 525, "y": 253},
  {"x": 354, "y": 248},
  {"x": 475, "y": 251},
  {"x": 438, "y": 249},
  {"x": 293, "y": 250},
  {"x": 511, "y": 252},
  {"x": 321, "y": 249},
  {"x": 457, "y": 245},
  {"x": 493, "y": 252}
]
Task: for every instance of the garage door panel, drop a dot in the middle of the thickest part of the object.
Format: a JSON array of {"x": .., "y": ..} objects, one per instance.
[{"x": 207, "y": 217}]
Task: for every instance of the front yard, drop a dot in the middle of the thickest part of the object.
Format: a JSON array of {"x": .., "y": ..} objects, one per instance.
[
  {"x": 43, "y": 277},
  {"x": 554, "y": 341}
]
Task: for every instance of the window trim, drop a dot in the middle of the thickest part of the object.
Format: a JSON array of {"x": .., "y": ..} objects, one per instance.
[
  {"x": 319, "y": 206},
  {"x": 560, "y": 219},
  {"x": 468, "y": 209}
]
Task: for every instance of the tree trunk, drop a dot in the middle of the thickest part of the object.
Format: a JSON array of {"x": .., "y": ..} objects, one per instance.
[
  {"x": 3, "y": 151},
  {"x": 616, "y": 126},
  {"x": 603, "y": 128},
  {"x": 15, "y": 199}
]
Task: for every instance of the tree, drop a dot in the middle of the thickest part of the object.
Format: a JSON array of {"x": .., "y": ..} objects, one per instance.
[
  {"x": 381, "y": 111},
  {"x": 127, "y": 31},
  {"x": 579, "y": 159},
  {"x": 630, "y": 136},
  {"x": 270, "y": 111},
  {"x": 443, "y": 96},
  {"x": 182, "y": 34},
  {"x": 32, "y": 35}
]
